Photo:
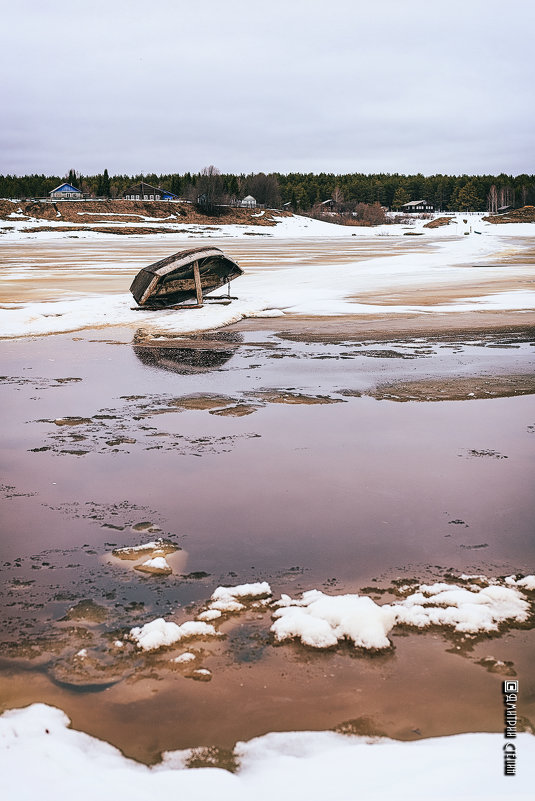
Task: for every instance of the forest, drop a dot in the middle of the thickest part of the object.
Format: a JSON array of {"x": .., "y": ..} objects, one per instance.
[{"x": 300, "y": 192}]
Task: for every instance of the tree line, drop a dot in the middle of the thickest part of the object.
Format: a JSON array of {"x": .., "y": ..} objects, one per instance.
[{"x": 301, "y": 192}]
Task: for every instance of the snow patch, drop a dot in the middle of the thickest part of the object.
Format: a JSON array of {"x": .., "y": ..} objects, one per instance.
[
  {"x": 158, "y": 563},
  {"x": 183, "y": 659},
  {"x": 321, "y": 621},
  {"x": 528, "y": 583},
  {"x": 225, "y": 599},
  {"x": 210, "y": 614},
  {"x": 306, "y": 766},
  {"x": 470, "y": 610},
  {"x": 159, "y": 633}
]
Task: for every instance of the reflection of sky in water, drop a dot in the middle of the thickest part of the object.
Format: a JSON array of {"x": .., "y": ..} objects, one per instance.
[
  {"x": 353, "y": 490},
  {"x": 328, "y": 496}
]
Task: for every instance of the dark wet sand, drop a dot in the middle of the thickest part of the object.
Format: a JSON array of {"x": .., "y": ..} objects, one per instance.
[
  {"x": 109, "y": 443},
  {"x": 403, "y": 326}
]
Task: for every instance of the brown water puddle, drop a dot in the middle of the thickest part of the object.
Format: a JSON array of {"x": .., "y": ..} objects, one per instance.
[
  {"x": 419, "y": 690},
  {"x": 308, "y": 492}
]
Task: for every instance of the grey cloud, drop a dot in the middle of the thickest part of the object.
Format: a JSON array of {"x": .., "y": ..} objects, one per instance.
[{"x": 295, "y": 85}]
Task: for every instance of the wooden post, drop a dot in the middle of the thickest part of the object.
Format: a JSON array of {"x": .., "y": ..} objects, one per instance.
[{"x": 198, "y": 285}]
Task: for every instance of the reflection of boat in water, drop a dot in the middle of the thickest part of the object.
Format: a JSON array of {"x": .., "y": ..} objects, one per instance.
[
  {"x": 193, "y": 355},
  {"x": 183, "y": 276}
]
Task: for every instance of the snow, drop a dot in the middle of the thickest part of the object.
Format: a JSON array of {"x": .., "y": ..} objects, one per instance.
[
  {"x": 465, "y": 610},
  {"x": 147, "y": 546},
  {"x": 160, "y": 633},
  {"x": 305, "y": 286},
  {"x": 158, "y": 563},
  {"x": 320, "y": 621},
  {"x": 305, "y": 766},
  {"x": 225, "y": 599},
  {"x": 210, "y": 614},
  {"x": 528, "y": 583},
  {"x": 184, "y": 658},
  {"x": 259, "y": 589}
]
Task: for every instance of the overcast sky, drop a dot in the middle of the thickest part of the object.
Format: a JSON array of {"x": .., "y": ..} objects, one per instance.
[{"x": 267, "y": 85}]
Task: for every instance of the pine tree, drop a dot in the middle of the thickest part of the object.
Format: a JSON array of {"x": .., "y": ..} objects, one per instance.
[
  {"x": 105, "y": 184},
  {"x": 400, "y": 198},
  {"x": 468, "y": 198}
]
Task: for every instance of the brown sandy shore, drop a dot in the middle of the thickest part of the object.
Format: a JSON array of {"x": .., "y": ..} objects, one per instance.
[
  {"x": 270, "y": 450},
  {"x": 384, "y": 327}
]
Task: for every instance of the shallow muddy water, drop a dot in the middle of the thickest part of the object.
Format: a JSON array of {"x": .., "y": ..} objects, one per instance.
[{"x": 263, "y": 459}]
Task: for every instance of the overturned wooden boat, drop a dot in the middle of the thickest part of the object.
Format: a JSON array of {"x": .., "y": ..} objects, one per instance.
[{"x": 183, "y": 276}]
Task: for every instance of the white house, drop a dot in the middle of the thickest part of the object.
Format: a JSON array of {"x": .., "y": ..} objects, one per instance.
[
  {"x": 66, "y": 192},
  {"x": 248, "y": 202}
]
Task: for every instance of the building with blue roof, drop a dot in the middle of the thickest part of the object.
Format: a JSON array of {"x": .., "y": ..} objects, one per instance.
[{"x": 65, "y": 191}]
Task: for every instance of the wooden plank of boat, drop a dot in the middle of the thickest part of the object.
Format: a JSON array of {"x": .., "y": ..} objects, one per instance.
[{"x": 189, "y": 274}]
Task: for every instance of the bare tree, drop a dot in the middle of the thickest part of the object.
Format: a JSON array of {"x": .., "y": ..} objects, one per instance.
[
  {"x": 337, "y": 196},
  {"x": 209, "y": 188},
  {"x": 370, "y": 213},
  {"x": 264, "y": 188},
  {"x": 506, "y": 196},
  {"x": 492, "y": 200}
]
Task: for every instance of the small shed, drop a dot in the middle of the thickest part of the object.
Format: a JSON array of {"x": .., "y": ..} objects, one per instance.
[
  {"x": 65, "y": 191},
  {"x": 145, "y": 191},
  {"x": 418, "y": 206},
  {"x": 248, "y": 202}
]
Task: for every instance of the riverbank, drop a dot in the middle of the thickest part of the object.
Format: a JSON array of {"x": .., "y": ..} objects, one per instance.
[{"x": 368, "y": 456}]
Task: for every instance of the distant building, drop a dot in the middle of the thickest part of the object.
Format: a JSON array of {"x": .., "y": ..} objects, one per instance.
[
  {"x": 65, "y": 191},
  {"x": 144, "y": 191},
  {"x": 421, "y": 206},
  {"x": 248, "y": 202}
]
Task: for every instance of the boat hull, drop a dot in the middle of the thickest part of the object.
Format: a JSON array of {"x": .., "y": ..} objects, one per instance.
[{"x": 171, "y": 281}]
